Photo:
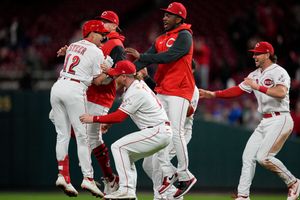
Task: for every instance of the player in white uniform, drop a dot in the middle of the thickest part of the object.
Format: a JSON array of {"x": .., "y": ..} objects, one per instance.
[
  {"x": 270, "y": 84},
  {"x": 151, "y": 165},
  {"x": 68, "y": 101},
  {"x": 141, "y": 104}
]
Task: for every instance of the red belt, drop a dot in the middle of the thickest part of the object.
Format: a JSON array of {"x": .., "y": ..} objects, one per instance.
[{"x": 268, "y": 115}]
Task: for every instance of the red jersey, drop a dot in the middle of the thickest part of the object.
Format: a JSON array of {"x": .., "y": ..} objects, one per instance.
[
  {"x": 175, "y": 78},
  {"x": 104, "y": 95}
]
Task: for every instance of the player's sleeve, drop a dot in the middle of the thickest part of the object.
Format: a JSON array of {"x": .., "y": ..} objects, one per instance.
[
  {"x": 117, "y": 54},
  {"x": 282, "y": 78},
  {"x": 180, "y": 48},
  {"x": 115, "y": 117},
  {"x": 245, "y": 87},
  {"x": 98, "y": 60},
  {"x": 139, "y": 64},
  {"x": 132, "y": 103}
]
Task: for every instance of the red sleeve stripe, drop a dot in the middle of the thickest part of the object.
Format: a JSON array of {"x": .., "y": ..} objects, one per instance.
[
  {"x": 115, "y": 117},
  {"x": 230, "y": 92}
]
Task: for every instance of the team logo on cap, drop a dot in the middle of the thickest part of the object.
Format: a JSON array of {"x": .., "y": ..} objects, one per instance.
[{"x": 104, "y": 13}]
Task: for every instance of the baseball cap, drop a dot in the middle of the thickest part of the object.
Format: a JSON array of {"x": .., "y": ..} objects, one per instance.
[
  {"x": 110, "y": 16},
  {"x": 263, "y": 47},
  {"x": 176, "y": 8},
  {"x": 93, "y": 26},
  {"x": 122, "y": 67}
]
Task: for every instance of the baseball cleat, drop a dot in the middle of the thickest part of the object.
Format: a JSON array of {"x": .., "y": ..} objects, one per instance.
[
  {"x": 183, "y": 187},
  {"x": 111, "y": 186},
  {"x": 124, "y": 195},
  {"x": 67, "y": 188},
  {"x": 91, "y": 187},
  {"x": 167, "y": 183},
  {"x": 294, "y": 191},
  {"x": 242, "y": 198}
]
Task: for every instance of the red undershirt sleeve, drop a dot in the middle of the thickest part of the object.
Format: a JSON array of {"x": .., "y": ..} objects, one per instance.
[
  {"x": 230, "y": 92},
  {"x": 115, "y": 117}
]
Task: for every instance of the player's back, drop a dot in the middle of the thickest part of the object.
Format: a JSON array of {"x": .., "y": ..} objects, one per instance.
[{"x": 82, "y": 61}]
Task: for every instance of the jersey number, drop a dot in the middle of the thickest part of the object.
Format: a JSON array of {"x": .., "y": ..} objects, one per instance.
[{"x": 75, "y": 62}]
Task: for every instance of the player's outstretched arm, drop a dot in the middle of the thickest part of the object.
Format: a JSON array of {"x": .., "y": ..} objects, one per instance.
[
  {"x": 206, "y": 94},
  {"x": 133, "y": 52}
]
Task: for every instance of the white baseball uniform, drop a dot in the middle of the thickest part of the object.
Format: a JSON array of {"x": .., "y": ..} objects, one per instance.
[
  {"x": 155, "y": 134},
  {"x": 273, "y": 130},
  {"x": 151, "y": 165},
  {"x": 68, "y": 99}
]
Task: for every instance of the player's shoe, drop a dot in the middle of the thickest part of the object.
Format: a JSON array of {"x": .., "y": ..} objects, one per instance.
[
  {"x": 111, "y": 186},
  {"x": 183, "y": 187},
  {"x": 120, "y": 194},
  {"x": 242, "y": 198},
  {"x": 66, "y": 187},
  {"x": 91, "y": 187},
  {"x": 294, "y": 191},
  {"x": 167, "y": 183}
]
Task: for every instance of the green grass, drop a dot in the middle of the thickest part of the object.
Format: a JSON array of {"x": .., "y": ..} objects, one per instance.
[{"x": 141, "y": 196}]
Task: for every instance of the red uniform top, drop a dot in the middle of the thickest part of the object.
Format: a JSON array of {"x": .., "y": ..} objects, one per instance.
[
  {"x": 104, "y": 95},
  {"x": 175, "y": 78}
]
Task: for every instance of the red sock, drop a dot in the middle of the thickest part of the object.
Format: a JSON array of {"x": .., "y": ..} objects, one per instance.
[
  {"x": 102, "y": 156},
  {"x": 63, "y": 168}
]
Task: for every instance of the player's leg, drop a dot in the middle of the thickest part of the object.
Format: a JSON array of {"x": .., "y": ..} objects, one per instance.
[
  {"x": 76, "y": 106},
  {"x": 62, "y": 126},
  {"x": 249, "y": 161},
  {"x": 277, "y": 130},
  {"x": 131, "y": 148},
  {"x": 177, "y": 110},
  {"x": 100, "y": 150}
]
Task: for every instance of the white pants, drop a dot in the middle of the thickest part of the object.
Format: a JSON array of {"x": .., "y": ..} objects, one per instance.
[
  {"x": 176, "y": 108},
  {"x": 153, "y": 170},
  {"x": 263, "y": 145},
  {"x": 68, "y": 100},
  {"x": 135, "y": 146},
  {"x": 93, "y": 130}
]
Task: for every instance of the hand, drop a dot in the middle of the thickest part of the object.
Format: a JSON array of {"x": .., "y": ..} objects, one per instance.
[
  {"x": 133, "y": 52},
  {"x": 105, "y": 67},
  {"x": 109, "y": 61},
  {"x": 250, "y": 82},
  {"x": 62, "y": 51},
  {"x": 104, "y": 128},
  {"x": 86, "y": 118},
  {"x": 142, "y": 73},
  {"x": 206, "y": 94}
]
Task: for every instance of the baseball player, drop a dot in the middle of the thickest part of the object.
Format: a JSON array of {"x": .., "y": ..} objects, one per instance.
[
  {"x": 142, "y": 105},
  {"x": 173, "y": 51},
  {"x": 150, "y": 164},
  {"x": 270, "y": 84},
  {"x": 101, "y": 97},
  {"x": 68, "y": 101}
]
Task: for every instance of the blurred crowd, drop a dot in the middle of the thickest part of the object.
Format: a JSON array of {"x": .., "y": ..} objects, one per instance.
[{"x": 223, "y": 32}]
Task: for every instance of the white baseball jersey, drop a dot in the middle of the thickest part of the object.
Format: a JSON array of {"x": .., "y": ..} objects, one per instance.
[
  {"x": 270, "y": 77},
  {"x": 143, "y": 106},
  {"x": 79, "y": 55}
]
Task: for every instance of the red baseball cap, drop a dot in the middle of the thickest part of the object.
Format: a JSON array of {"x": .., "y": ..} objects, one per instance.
[
  {"x": 263, "y": 47},
  {"x": 110, "y": 16},
  {"x": 176, "y": 9},
  {"x": 93, "y": 26},
  {"x": 122, "y": 67}
]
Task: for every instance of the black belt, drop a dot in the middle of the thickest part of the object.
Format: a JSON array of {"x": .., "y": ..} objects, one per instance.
[
  {"x": 166, "y": 123},
  {"x": 70, "y": 79}
]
